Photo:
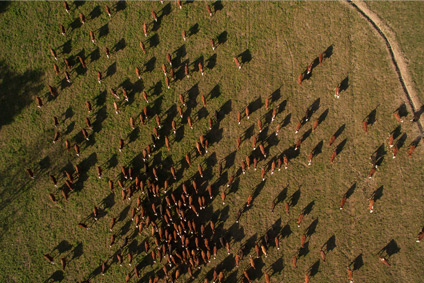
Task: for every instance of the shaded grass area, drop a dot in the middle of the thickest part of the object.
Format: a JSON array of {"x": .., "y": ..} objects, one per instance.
[{"x": 272, "y": 58}]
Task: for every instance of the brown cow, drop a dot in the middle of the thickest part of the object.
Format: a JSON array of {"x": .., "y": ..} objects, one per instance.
[
  {"x": 255, "y": 163},
  {"x": 108, "y": 11},
  {"x": 125, "y": 94},
  {"x": 310, "y": 156},
  {"x": 56, "y": 137},
  {"x": 309, "y": 68},
  {"x": 39, "y": 102},
  {"x": 68, "y": 65},
  {"x": 230, "y": 181},
  {"x": 320, "y": 57},
  {"x": 397, "y": 116},
  {"x": 82, "y": 18},
  {"x": 294, "y": 261},
  {"x": 201, "y": 68},
  {"x": 365, "y": 125},
  {"x": 337, "y": 91},
  {"x": 243, "y": 167},
  {"x": 298, "y": 143},
  {"x": 254, "y": 143},
  {"x": 56, "y": 69},
  {"x": 77, "y": 150},
  {"x": 299, "y": 124},
  {"x": 223, "y": 197},
  {"x": 247, "y": 112},
  {"x": 274, "y": 113},
  {"x": 30, "y": 173},
  {"x": 333, "y": 155},
  {"x": 303, "y": 240},
  {"x": 52, "y": 91},
  {"x": 299, "y": 219},
  {"x": 121, "y": 145},
  {"x": 154, "y": 16},
  {"x": 383, "y": 260},
  {"x": 208, "y": 8},
  {"x": 186, "y": 70},
  {"x": 145, "y": 29},
  {"x": 168, "y": 58},
  {"x": 300, "y": 79},
  {"x": 371, "y": 173},
  {"x": 350, "y": 274},
  {"x": 322, "y": 254},
  {"x": 199, "y": 168},
  {"x": 95, "y": 212},
  {"x": 143, "y": 48},
  {"x": 260, "y": 126},
  {"x": 62, "y": 30},
  {"x": 187, "y": 157},
  {"x": 315, "y": 125},
  {"x": 420, "y": 236},
  {"x": 395, "y": 150},
  {"x": 92, "y": 37},
  {"x": 342, "y": 202},
  {"x": 190, "y": 123},
  {"x": 249, "y": 200},
  {"x": 49, "y": 258},
  {"x": 67, "y": 77},
  {"x": 238, "y": 142},
  {"x": 53, "y": 53},
  {"x": 411, "y": 149},
  {"x": 332, "y": 139},
  {"x": 371, "y": 205},
  {"x": 107, "y": 52},
  {"x": 237, "y": 64},
  {"x": 83, "y": 226},
  {"x": 184, "y": 35},
  {"x": 263, "y": 173}
]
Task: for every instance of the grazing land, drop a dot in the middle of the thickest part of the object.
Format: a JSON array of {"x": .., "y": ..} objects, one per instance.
[{"x": 274, "y": 42}]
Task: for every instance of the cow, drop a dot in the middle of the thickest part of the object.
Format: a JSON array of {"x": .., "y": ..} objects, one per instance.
[
  {"x": 238, "y": 142},
  {"x": 158, "y": 121},
  {"x": 82, "y": 18},
  {"x": 315, "y": 125},
  {"x": 243, "y": 167},
  {"x": 332, "y": 139},
  {"x": 208, "y": 8},
  {"x": 320, "y": 58},
  {"x": 66, "y": 7},
  {"x": 168, "y": 58},
  {"x": 167, "y": 83},
  {"x": 112, "y": 223},
  {"x": 222, "y": 197},
  {"x": 201, "y": 68},
  {"x": 99, "y": 77},
  {"x": 184, "y": 35},
  {"x": 343, "y": 201},
  {"x": 125, "y": 95},
  {"x": 299, "y": 219},
  {"x": 365, "y": 125},
  {"x": 62, "y": 30},
  {"x": 88, "y": 105},
  {"x": 186, "y": 71},
  {"x": 252, "y": 262},
  {"x": 68, "y": 65},
  {"x": 39, "y": 102},
  {"x": 255, "y": 163},
  {"x": 254, "y": 143},
  {"x": 121, "y": 145},
  {"x": 298, "y": 126},
  {"x": 249, "y": 200},
  {"x": 30, "y": 173},
  {"x": 274, "y": 113},
  {"x": 108, "y": 11},
  {"x": 230, "y": 181},
  {"x": 56, "y": 69},
  {"x": 390, "y": 142},
  {"x": 411, "y": 149},
  {"x": 395, "y": 150},
  {"x": 83, "y": 226},
  {"x": 333, "y": 155},
  {"x": 298, "y": 143},
  {"x": 88, "y": 123},
  {"x": 143, "y": 48},
  {"x": 397, "y": 116},
  {"x": 248, "y": 162},
  {"x": 247, "y": 112},
  {"x": 309, "y": 68},
  {"x": 322, "y": 254},
  {"x": 303, "y": 240},
  {"x": 107, "y": 52},
  {"x": 213, "y": 44},
  {"x": 53, "y": 53},
  {"x": 263, "y": 173},
  {"x": 371, "y": 205},
  {"x": 56, "y": 137},
  {"x": 92, "y": 37},
  {"x": 115, "y": 105},
  {"x": 300, "y": 79},
  {"x": 154, "y": 16},
  {"x": 77, "y": 150},
  {"x": 260, "y": 126},
  {"x": 420, "y": 236},
  {"x": 306, "y": 278},
  {"x": 237, "y": 63},
  {"x": 95, "y": 213},
  {"x": 199, "y": 168},
  {"x": 190, "y": 123},
  {"x": 294, "y": 261},
  {"x": 350, "y": 274},
  {"x": 383, "y": 260},
  {"x": 277, "y": 129},
  {"x": 67, "y": 77},
  {"x": 187, "y": 157},
  {"x": 49, "y": 258},
  {"x": 310, "y": 156},
  {"x": 337, "y": 91}
]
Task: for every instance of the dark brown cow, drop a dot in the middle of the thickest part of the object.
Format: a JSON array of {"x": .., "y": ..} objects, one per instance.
[
  {"x": 121, "y": 145},
  {"x": 342, "y": 202},
  {"x": 320, "y": 57},
  {"x": 30, "y": 173},
  {"x": 83, "y": 226},
  {"x": 39, "y": 102},
  {"x": 107, "y": 52},
  {"x": 420, "y": 236}
]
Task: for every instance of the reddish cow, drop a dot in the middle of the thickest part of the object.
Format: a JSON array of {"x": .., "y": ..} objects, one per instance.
[
  {"x": 300, "y": 79},
  {"x": 184, "y": 35},
  {"x": 107, "y": 52},
  {"x": 208, "y": 8},
  {"x": 154, "y": 16},
  {"x": 294, "y": 261},
  {"x": 92, "y": 37},
  {"x": 53, "y": 53},
  {"x": 39, "y": 102},
  {"x": 143, "y": 48},
  {"x": 49, "y": 258},
  {"x": 108, "y": 11},
  {"x": 62, "y": 30},
  {"x": 342, "y": 202},
  {"x": 186, "y": 71},
  {"x": 333, "y": 155},
  {"x": 201, "y": 68},
  {"x": 383, "y": 260},
  {"x": 237, "y": 62}
]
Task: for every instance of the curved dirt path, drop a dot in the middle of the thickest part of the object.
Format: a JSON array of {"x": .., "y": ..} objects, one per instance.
[{"x": 396, "y": 55}]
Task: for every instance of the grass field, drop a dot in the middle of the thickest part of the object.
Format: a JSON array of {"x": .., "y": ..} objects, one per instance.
[{"x": 275, "y": 41}]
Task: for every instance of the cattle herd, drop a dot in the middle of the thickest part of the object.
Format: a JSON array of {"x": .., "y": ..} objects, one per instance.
[{"x": 176, "y": 238}]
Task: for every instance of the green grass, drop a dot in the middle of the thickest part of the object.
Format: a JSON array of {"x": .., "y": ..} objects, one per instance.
[{"x": 282, "y": 38}]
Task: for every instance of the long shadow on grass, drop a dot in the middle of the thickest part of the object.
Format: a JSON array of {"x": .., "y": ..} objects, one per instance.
[{"x": 17, "y": 91}]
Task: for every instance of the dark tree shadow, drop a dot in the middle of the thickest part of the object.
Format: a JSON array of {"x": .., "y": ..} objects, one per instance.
[
  {"x": 120, "y": 45},
  {"x": 193, "y": 29},
  {"x": 340, "y": 146},
  {"x": 217, "y": 6},
  {"x": 120, "y": 5},
  {"x": 96, "y": 12},
  {"x": 390, "y": 249},
  {"x": 344, "y": 84},
  {"x": 17, "y": 91},
  {"x": 358, "y": 262},
  {"x": 245, "y": 56},
  {"x": 378, "y": 193},
  {"x": 154, "y": 40},
  {"x": 330, "y": 244},
  {"x": 149, "y": 66},
  {"x": 313, "y": 270},
  {"x": 94, "y": 55},
  {"x": 222, "y": 37},
  {"x": 211, "y": 61},
  {"x": 111, "y": 70},
  {"x": 329, "y": 51},
  {"x": 104, "y": 30}
]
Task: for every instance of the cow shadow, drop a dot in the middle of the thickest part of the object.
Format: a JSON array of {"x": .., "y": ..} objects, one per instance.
[
  {"x": 245, "y": 56},
  {"x": 120, "y": 5},
  {"x": 193, "y": 29},
  {"x": 330, "y": 244},
  {"x": 401, "y": 140},
  {"x": 329, "y": 51},
  {"x": 120, "y": 45},
  {"x": 378, "y": 193},
  {"x": 96, "y": 12},
  {"x": 358, "y": 262},
  {"x": 211, "y": 62},
  {"x": 350, "y": 191},
  {"x": 111, "y": 70},
  {"x": 222, "y": 37},
  {"x": 154, "y": 40},
  {"x": 390, "y": 249},
  {"x": 344, "y": 84},
  {"x": 104, "y": 30},
  {"x": 294, "y": 198},
  {"x": 340, "y": 146},
  {"x": 149, "y": 66},
  {"x": 312, "y": 228}
]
